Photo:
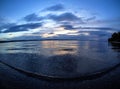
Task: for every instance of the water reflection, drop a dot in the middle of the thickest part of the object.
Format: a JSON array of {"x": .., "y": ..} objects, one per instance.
[
  {"x": 60, "y": 47},
  {"x": 115, "y": 46},
  {"x": 15, "y": 47},
  {"x": 59, "y": 58},
  {"x": 41, "y": 47}
]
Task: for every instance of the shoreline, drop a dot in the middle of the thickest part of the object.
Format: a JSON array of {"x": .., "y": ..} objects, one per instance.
[
  {"x": 49, "y": 40},
  {"x": 83, "y": 77},
  {"x": 9, "y": 77}
]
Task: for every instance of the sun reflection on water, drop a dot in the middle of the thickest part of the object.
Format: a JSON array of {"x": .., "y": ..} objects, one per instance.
[{"x": 41, "y": 47}]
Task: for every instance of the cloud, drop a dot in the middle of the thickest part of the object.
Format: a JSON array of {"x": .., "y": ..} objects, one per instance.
[
  {"x": 65, "y": 17},
  {"x": 85, "y": 35},
  {"x": 99, "y": 28},
  {"x": 5, "y": 23},
  {"x": 35, "y": 17},
  {"x": 32, "y": 17},
  {"x": 67, "y": 27},
  {"x": 91, "y": 18},
  {"x": 62, "y": 24},
  {"x": 23, "y": 27},
  {"x": 58, "y": 32},
  {"x": 57, "y": 7},
  {"x": 97, "y": 33},
  {"x": 6, "y": 26}
]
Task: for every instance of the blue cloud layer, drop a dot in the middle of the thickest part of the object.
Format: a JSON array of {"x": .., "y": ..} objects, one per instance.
[
  {"x": 65, "y": 20},
  {"x": 57, "y": 7},
  {"x": 23, "y": 27},
  {"x": 64, "y": 17},
  {"x": 32, "y": 17}
]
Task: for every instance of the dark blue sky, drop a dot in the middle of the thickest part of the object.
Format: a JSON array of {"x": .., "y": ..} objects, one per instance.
[{"x": 83, "y": 19}]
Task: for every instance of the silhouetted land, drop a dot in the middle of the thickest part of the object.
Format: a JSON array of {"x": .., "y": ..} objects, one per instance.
[
  {"x": 17, "y": 40},
  {"x": 115, "y": 37},
  {"x": 4, "y": 41}
]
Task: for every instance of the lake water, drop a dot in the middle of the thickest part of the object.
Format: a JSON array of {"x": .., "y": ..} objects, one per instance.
[{"x": 60, "y": 59}]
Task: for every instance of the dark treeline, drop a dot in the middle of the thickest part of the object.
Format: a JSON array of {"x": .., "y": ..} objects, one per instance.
[{"x": 115, "y": 37}]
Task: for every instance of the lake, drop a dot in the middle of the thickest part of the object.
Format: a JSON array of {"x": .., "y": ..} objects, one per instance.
[{"x": 63, "y": 59}]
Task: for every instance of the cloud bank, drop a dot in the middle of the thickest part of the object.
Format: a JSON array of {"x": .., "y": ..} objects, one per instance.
[{"x": 55, "y": 22}]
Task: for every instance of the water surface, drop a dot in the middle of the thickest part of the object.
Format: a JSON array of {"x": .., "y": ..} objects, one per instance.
[{"x": 60, "y": 59}]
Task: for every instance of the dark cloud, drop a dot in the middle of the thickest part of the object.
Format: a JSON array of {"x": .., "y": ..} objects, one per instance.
[
  {"x": 6, "y": 26},
  {"x": 67, "y": 27},
  {"x": 23, "y": 27},
  {"x": 57, "y": 7},
  {"x": 99, "y": 28},
  {"x": 70, "y": 27},
  {"x": 5, "y": 23},
  {"x": 97, "y": 33},
  {"x": 32, "y": 17},
  {"x": 112, "y": 20},
  {"x": 35, "y": 17},
  {"x": 64, "y": 17}
]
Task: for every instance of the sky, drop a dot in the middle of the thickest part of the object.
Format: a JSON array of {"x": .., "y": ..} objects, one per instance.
[{"x": 59, "y": 19}]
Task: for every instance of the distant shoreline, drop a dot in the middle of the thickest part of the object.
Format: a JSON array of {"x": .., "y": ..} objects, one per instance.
[{"x": 44, "y": 40}]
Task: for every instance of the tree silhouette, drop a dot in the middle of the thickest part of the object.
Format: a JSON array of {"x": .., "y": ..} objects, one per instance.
[{"x": 115, "y": 37}]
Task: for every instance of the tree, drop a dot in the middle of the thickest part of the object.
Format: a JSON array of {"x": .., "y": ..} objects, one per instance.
[{"x": 115, "y": 37}]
